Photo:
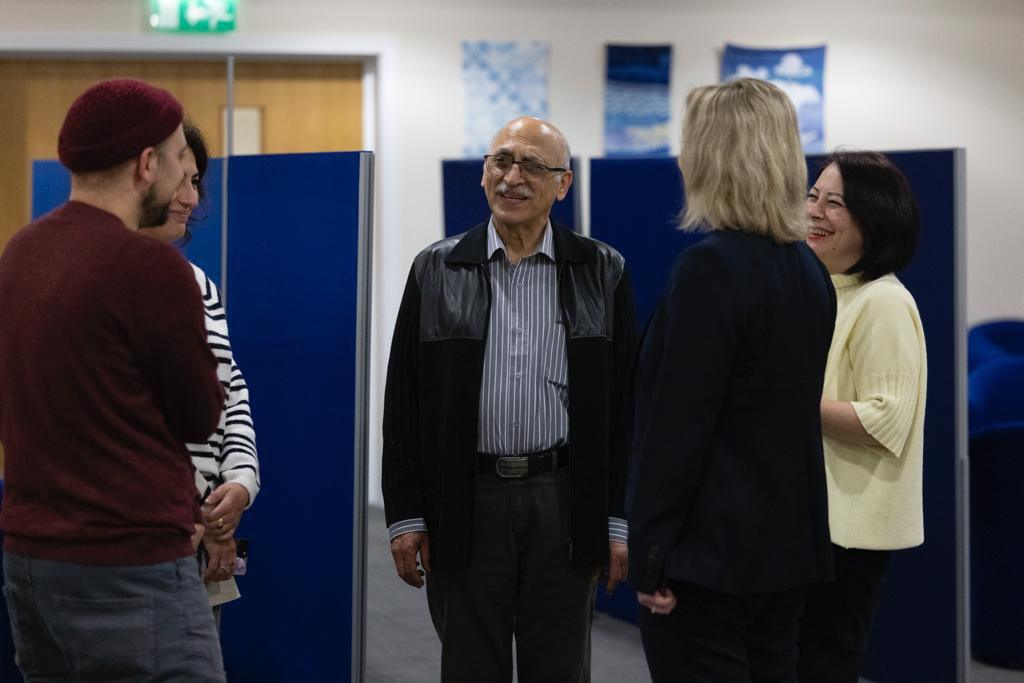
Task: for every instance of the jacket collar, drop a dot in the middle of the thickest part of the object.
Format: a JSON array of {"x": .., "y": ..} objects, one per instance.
[
  {"x": 545, "y": 248},
  {"x": 569, "y": 246}
]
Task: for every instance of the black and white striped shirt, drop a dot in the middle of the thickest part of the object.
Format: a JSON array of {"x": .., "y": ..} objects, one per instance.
[{"x": 229, "y": 455}]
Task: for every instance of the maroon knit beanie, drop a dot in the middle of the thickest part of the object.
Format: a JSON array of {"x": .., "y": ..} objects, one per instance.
[{"x": 114, "y": 121}]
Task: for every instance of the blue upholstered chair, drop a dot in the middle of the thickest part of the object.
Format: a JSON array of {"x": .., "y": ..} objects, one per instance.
[
  {"x": 995, "y": 396},
  {"x": 995, "y": 340},
  {"x": 996, "y": 420},
  {"x": 997, "y": 547}
]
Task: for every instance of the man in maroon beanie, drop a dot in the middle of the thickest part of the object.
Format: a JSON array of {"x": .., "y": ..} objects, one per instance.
[{"x": 104, "y": 375}]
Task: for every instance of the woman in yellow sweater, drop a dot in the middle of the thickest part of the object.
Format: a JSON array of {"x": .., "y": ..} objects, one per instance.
[{"x": 864, "y": 227}]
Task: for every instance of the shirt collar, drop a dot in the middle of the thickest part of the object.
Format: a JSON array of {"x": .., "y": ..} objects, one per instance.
[{"x": 495, "y": 244}]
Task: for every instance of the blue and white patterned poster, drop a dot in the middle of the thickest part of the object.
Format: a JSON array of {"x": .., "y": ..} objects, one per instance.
[
  {"x": 800, "y": 72},
  {"x": 503, "y": 80},
  {"x": 636, "y": 100}
]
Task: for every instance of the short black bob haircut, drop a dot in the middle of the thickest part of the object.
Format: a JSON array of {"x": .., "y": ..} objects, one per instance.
[
  {"x": 879, "y": 199},
  {"x": 196, "y": 143}
]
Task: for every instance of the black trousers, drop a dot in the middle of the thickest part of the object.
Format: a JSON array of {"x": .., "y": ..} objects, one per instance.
[
  {"x": 520, "y": 584},
  {"x": 836, "y": 624},
  {"x": 723, "y": 638}
]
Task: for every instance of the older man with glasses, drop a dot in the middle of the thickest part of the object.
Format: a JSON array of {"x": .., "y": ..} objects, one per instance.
[{"x": 506, "y": 424}]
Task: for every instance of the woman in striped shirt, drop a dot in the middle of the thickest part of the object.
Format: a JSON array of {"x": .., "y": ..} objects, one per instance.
[{"x": 227, "y": 468}]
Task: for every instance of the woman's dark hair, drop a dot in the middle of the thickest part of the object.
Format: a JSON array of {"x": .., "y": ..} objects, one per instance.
[
  {"x": 194, "y": 138},
  {"x": 879, "y": 199}
]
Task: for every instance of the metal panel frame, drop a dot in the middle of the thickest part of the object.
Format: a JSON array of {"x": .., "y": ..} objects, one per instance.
[
  {"x": 362, "y": 401},
  {"x": 962, "y": 494}
]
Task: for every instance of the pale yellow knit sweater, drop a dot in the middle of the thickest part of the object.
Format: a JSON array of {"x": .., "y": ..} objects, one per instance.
[{"x": 877, "y": 362}]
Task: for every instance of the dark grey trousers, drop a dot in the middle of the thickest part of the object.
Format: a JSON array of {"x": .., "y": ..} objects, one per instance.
[
  {"x": 836, "y": 623},
  {"x": 74, "y": 622},
  {"x": 520, "y": 584}
]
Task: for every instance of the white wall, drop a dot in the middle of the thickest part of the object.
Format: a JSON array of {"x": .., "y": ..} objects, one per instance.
[{"x": 899, "y": 75}]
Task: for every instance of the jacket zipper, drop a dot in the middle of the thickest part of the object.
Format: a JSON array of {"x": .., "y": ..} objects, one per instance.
[
  {"x": 487, "y": 332},
  {"x": 565, "y": 327}
]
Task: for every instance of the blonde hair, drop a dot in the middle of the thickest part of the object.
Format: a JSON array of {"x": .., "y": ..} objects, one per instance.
[{"x": 742, "y": 163}]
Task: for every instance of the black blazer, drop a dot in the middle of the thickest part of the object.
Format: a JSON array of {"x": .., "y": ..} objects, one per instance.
[{"x": 728, "y": 486}]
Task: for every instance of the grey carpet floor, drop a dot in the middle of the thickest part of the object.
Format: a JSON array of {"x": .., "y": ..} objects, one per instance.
[{"x": 401, "y": 646}]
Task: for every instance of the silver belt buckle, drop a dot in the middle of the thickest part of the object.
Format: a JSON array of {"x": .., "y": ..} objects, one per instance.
[{"x": 512, "y": 467}]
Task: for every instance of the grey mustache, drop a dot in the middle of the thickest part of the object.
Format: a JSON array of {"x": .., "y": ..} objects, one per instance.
[{"x": 521, "y": 192}]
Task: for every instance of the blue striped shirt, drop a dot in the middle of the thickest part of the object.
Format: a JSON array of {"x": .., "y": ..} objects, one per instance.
[{"x": 524, "y": 395}]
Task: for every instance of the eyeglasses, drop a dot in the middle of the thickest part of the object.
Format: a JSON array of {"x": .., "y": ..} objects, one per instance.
[{"x": 500, "y": 164}]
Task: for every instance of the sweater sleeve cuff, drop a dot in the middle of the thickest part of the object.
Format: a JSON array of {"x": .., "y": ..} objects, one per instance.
[
  {"x": 887, "y": 412},
  {"x": 618, "y": 530},
  {"x": 406, "y": 526},
  {"x": 245, "y": 478}
]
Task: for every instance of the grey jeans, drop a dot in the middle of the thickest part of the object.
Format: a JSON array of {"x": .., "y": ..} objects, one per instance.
[{"x": 74, "y": 622}]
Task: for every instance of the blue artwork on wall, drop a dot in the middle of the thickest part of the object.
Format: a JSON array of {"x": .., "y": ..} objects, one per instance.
[
  {"x": 636, "y": 100},
  {"x": 503, "y": 80},
  {"x": 800, "y": 72}
]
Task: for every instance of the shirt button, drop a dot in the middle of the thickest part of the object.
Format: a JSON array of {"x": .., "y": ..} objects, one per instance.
[
  {"x": 519, "y": 285},
  {"x": 518, "y": 375}
]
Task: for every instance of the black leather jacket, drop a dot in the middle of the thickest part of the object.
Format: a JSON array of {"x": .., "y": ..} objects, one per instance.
[{"x": 431, "y": 403}]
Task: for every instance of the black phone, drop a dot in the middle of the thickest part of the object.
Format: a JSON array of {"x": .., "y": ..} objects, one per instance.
[{"x": 241, "y": 557}]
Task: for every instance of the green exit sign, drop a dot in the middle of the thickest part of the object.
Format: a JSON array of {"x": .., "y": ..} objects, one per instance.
[{"x": 193, "y": 16}]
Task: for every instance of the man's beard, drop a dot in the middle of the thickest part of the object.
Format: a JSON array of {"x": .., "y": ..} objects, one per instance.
[{"x": 154, "y": 213}]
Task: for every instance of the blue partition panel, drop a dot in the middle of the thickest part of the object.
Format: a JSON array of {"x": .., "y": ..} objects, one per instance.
[
  {"x": 51, "y": 186},
  {"x": 465, "y": 204},
  {"x": 292, "y": 286},
  {"x": 292, "y": 303},
  {"x": 914, "y": 636},
  {"x": 634, "y": 206},
  {"x": 645, "y": 231}
]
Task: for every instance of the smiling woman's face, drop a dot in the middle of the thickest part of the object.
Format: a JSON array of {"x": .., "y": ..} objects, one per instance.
[
  {"x": 185, "y": 200},
  {"x": 834, "y": 235}
]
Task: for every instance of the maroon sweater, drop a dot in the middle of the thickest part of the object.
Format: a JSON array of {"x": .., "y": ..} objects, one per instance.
[{"x": 104, "y": 375}]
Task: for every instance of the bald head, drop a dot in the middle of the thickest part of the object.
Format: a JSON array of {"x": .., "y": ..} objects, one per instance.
[{"x": 541, "y": 132}]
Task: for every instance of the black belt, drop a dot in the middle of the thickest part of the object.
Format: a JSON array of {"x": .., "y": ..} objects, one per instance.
[{"x": 522, "y": 466}]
